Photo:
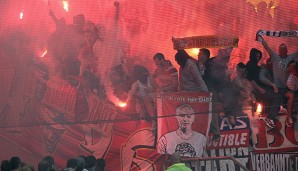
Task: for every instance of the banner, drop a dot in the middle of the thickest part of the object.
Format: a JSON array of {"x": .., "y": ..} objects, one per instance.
[
  {"x": 204, "y": 42},
  {"x": 60, "y": 95},
  {"x": 129, "y": 144},
  {"x": 183, "y": 123},
  {"x": 288, "y": 33},
  {"x": 280, "y": 139},
  {"x": 234, "y": 142},
  {"x": 232, "y": 137},
  {"x": 273, "y": 161}
]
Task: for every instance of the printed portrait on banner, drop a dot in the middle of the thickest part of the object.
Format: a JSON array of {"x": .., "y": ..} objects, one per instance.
[{"x": 183, "y": 123}]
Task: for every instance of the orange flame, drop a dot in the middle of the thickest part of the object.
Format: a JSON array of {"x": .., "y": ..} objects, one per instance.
[
  {"x": 21, "y": 15},
  {"x": 44, "y": 53},
  {"x": 65, "y": 5},
  {"x": 122, "y": 104},
  {"x": 259, "y": 108},
  {"x": 193, "y": 52}
]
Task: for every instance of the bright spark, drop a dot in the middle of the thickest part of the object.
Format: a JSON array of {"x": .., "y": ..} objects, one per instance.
[
  {"x": 65, "y": 5},
  {"x": 21, "y": 15},
  {"x": 44, "y": 53},
  {"x": 122, "y": 104},
  {"x": 196, "y": 51},
  {"x": 193, "y": 52},
  {"x": 259, "y": 108}
]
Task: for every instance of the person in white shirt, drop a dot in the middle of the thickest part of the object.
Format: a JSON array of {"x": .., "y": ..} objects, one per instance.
[
  {"x": 184, "y": 140},
  {"x": 141, "y": 96},
  {"x": 292, "y": 85}
]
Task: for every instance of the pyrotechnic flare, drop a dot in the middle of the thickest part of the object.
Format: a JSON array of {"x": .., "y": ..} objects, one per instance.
[
  {"x": 21, "y": 15},
  {"x": 44, "y": 53},
  {"x": 259, "y": 108},
  {"x": 65, "y": 5},
  {"x": 122, "y": 104}
]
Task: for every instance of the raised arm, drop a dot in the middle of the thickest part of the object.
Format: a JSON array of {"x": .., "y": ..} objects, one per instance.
[
  {"x": 54, "y": 18},
  {"x": 117, "y": 4},
  {"x": 265, "y": 44}
]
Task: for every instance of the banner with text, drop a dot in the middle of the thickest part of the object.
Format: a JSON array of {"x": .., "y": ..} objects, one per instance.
[
  {"x": 183, "y": 123},
  {"x": 234, "y": 142},
  {"x": 204, "y": 42},
  {"x": 279, "y": 139},
  {"x": 273, "y": 161}
]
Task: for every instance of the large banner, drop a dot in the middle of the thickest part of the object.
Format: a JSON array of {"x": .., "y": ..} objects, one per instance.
[
  {"x": 84, "y": 124},
  {"x": 96, "y": 127},
  {"x": 280, "y": 139},
  {"x": 68, "y": 121},
  {"x": 234, "y": 142},
  {"x": 273, "y": 146},
  {"x": 183, "y": 123}
]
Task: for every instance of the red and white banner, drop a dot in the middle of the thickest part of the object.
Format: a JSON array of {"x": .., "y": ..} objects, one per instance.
[
  {"x": 231, "y": 137},
  {"x": 183, "y": 123},
  {"x": 288, "y": 33},
  {"x": 60, "y": 95},
  {"x": 273, "y": 161},
  {"x": 280, "y": 139},
  {"x": 204, "y": 42},
  {"x": 234, "y": 142}
]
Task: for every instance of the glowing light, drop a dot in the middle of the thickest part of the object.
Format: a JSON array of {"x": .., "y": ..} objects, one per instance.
[
  {"x": 122, "y": 104},
  {"x": 272, "y": 4},
  {"x": 259, "y": 108},
  {"x": 193, "y": 52},
  {"x": 44, "y": 53},
  {"x": 65, "y": 5},
  {"x": 21, "y": 15}
]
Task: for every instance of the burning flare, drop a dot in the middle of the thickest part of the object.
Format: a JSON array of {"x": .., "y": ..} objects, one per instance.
[
  {"x": 121, "y": 104},
  {"x": 21, "y": 15},
  {"x": 193, "y": 52},
  {"x": 259, "y": 108},
  {"x": 65, "y": 5},
  {"x": 44, "y": 53}
]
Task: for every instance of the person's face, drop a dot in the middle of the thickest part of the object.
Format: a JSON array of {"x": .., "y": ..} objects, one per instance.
[
  {"x": 185, "y": 118},
  {"x": 89, "y": 38},
  {"x": 142, "y": 77},
  {"x": 283, "y": 50},
  {"x": 159, "y": 62}
]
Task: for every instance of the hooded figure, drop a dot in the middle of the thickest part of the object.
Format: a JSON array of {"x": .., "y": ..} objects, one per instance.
[
  {"x": 253, "y": 69},
  {"x": 190, "y": 78},
  {"x": 181, "y": 58}
]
